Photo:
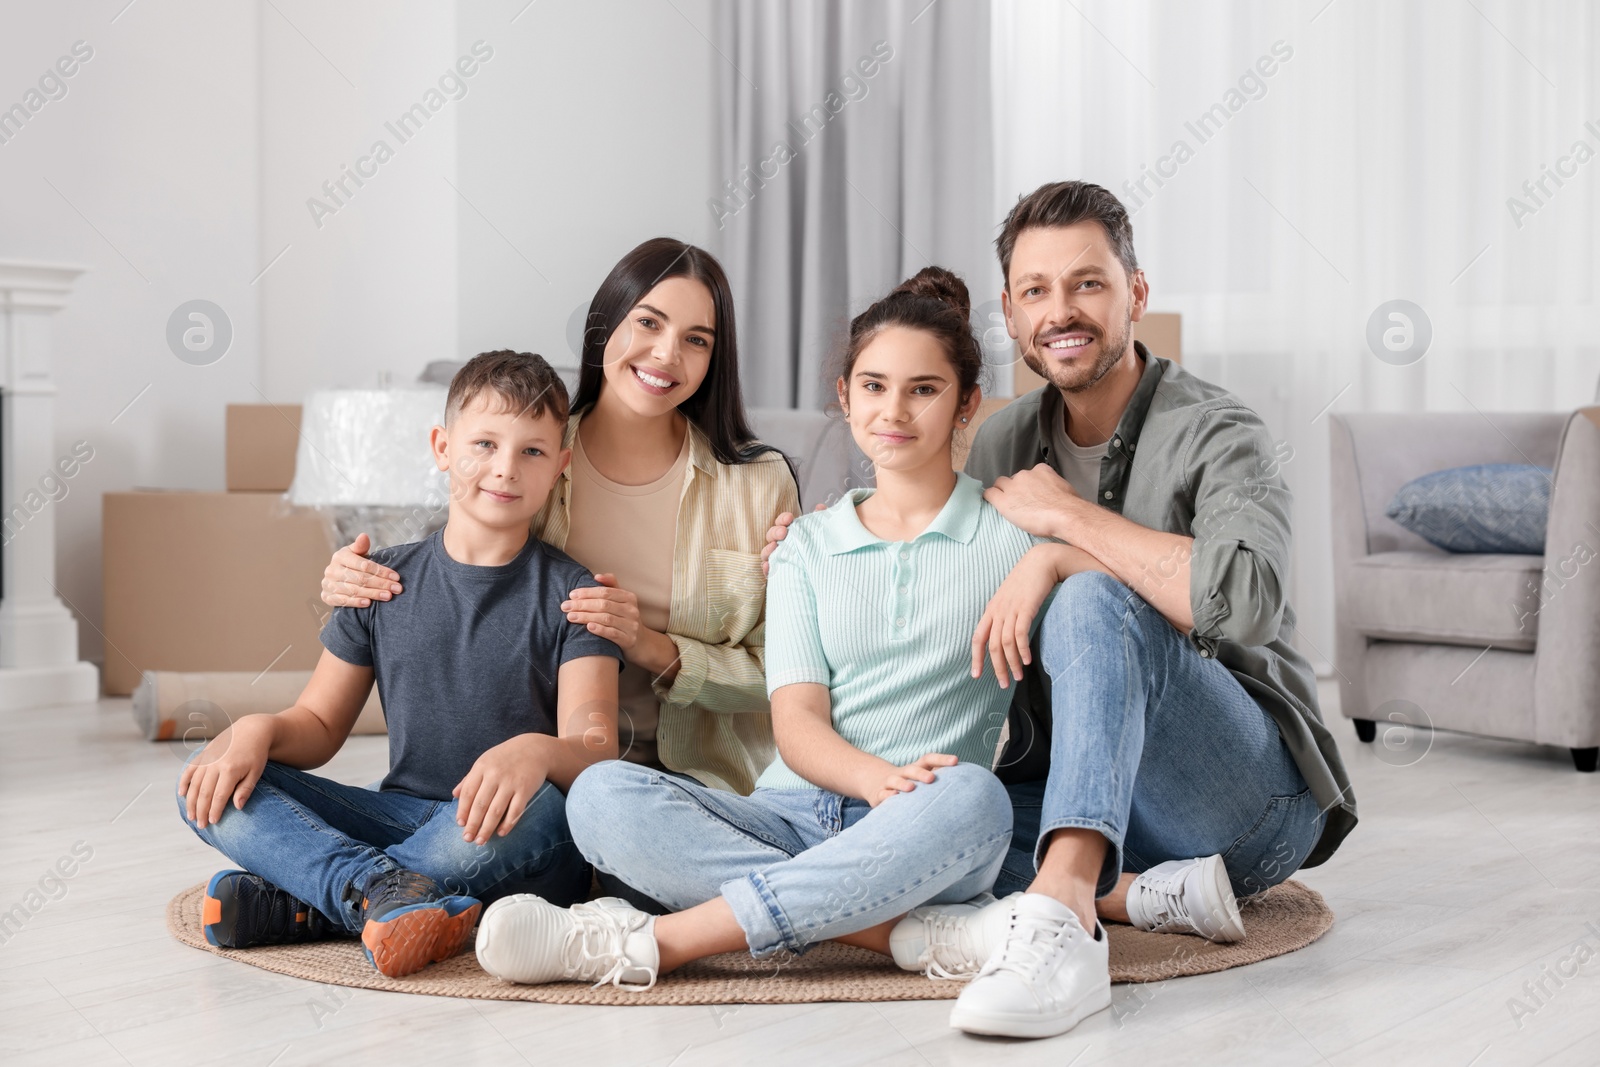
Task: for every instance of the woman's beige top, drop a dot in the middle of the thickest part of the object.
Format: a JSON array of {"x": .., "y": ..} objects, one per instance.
[
  {"x": 715, "y": 723},
  {"x": 628, "y": 530}
]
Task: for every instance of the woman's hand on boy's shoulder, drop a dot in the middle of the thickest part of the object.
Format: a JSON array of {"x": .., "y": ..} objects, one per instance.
[
  {"x": 606, "y": 609},
  {"x": 351, "y": 580}
]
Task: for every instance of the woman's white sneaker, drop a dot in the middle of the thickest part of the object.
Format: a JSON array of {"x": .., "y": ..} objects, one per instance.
[
  {"x": 526, "y": 939},
  {"x": 951, "y": 940},
  {"x": 1048, "y": 975},
  {"x": 1187, "y": 897}
]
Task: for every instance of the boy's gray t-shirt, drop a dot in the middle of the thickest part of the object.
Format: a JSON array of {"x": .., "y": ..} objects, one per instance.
[{"x": 466, "y": 657}]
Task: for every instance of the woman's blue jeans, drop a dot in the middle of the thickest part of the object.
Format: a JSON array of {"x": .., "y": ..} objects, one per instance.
[
  {"x": 319, "y": 840},
  {"x": 797, "y": 866},
  {"x": 1159, "y": 749}
]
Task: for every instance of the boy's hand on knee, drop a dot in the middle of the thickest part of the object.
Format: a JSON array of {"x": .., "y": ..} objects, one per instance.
[
  {"x": 905, "y": 779},
  {"x": 227, "y": 768},
  {"x": 498, "y": 788}
]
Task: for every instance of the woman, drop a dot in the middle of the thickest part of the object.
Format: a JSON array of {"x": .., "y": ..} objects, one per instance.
[
  {"x": 667, "y": 498},
  {"x": 882, "y": 799}
]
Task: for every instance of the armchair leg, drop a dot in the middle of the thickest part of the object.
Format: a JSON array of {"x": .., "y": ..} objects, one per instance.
[
  {"x": 1586, "y": 759},
  {"x": 1366, "y": 730}
]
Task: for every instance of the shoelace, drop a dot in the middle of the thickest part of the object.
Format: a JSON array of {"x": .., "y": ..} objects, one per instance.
[
  {"x": 407, "y": 886},
  {"x": 594, "y": 948},
  {"x": 272, "y": 903},
  {"x": 944, "y": 939},
  {"x": 1163, "y": 905},
  {"x": 1026, "y": 956}
]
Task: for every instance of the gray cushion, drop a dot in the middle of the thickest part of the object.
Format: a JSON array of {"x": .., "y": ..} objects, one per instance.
[
  {"x": 826, "y": 457},
  {"x": 1446, "y": 597},
  {"x": 1489, "y": 507}
]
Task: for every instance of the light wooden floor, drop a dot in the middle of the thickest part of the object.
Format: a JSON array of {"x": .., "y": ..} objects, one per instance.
[{"x": 1474, "y": 868}]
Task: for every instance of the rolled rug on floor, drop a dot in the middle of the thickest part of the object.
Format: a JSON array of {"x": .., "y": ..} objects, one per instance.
[{"x": 175, "y": 706}]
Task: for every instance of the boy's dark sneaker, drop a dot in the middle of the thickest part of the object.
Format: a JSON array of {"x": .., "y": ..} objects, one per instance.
[
  {"x": 243, "y": 909},
  {"x": 408, "y": 922}
]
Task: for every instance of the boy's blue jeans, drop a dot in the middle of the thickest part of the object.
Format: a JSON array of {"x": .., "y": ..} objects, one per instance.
[
  {"x": 1159, "y": 749},
  {"x": 797, "y": 866},
  {"x": 319, "y": 840}
]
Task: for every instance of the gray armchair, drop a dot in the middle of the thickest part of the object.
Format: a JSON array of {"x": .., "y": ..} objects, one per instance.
[{"x": 1497, "y": 645}]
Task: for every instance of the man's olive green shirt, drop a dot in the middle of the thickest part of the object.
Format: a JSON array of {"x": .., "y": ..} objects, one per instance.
[{"x": 1188, "y": 457}]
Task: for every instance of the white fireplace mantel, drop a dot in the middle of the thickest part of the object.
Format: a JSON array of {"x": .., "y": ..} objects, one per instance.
[{"x": 39, "y": 663}]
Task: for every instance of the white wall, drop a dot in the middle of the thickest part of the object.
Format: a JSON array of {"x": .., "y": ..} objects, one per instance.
[
  {"x": 155, "y": 145},
  {"x": 591, "y": 132},
  {"x": 372, "y": 289}
]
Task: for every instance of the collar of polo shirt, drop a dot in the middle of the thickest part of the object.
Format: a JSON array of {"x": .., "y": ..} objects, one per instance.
[{"x": 957, "y": 520}]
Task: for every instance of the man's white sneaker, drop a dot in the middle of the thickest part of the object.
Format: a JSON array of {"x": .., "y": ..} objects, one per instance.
[
  {"x": 951, "y": 940},
  {"x": 1049, "y": 974},
  {"x": 1186, "y": 897},
  {"x": 526, "y": 939}
]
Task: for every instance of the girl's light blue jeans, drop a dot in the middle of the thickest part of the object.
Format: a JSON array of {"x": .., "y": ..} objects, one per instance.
[{"x": 797, "y": 866}]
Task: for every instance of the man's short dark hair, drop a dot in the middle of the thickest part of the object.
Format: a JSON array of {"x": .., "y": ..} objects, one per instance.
[
  {"x": 523, "y": 380},
  {"x": 1066, "y": 204}
]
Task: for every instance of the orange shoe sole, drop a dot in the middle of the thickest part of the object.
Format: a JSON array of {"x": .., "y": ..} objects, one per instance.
[{"x": 414, "y": 937}]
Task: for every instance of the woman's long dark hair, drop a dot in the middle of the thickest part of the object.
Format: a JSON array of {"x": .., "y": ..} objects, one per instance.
[{"x": 717, "y": 407}]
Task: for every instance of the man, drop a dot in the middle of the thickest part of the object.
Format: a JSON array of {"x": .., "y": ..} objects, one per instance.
[{"x": 1177, "y": 733}]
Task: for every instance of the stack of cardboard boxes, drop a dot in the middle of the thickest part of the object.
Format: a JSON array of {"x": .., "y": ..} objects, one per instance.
[{"x": 217, "y": 581}]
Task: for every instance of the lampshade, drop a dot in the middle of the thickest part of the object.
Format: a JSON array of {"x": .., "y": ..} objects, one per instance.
[
  {"x": 364, "y": 459},
  {"x": 368, "y": 447}
]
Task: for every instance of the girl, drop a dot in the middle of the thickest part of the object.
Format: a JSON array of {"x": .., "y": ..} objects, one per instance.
[
  {"x": 667, "y": 498},
  {"x": 887, "y": 723}
]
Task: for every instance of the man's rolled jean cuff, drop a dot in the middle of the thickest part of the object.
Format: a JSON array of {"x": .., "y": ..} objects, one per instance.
[
  {"x": 766, "y": 928},
  {"x": 1110, "y": 870}
]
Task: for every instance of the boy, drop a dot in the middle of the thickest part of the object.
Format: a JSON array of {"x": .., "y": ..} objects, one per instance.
[{"x": 494, "y": 702}]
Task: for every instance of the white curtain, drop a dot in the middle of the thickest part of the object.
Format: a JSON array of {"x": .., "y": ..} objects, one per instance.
[
  {"x": 1356, "y": 152},
  {"x": 855, "y": 149}
]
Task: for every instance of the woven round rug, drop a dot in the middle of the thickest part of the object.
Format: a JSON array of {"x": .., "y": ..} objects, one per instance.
[{"x": 1285, "y": 918}]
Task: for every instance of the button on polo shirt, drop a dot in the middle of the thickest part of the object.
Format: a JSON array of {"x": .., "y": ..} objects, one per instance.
[{"x": 887, "y": 626}]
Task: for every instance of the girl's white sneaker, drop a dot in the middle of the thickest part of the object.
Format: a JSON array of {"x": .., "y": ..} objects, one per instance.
[
  {"x": 526, "y": 939},
  {"x": 951, "y": 940}
]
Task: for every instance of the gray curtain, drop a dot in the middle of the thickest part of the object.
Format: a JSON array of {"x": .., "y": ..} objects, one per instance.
[{"x": 855, "y": 150}]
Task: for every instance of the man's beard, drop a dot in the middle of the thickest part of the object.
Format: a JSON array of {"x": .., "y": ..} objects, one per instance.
[{"x": 1077, "y": 379}]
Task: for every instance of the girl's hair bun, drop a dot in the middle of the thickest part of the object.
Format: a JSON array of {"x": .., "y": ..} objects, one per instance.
[{"x": 940, "y": 284}]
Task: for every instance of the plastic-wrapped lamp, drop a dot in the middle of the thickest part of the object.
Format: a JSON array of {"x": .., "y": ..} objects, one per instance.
[{"x": 364, "y": 461}]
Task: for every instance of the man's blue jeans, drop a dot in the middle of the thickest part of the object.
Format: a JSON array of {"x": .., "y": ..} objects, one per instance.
[
  {"x": 797, "y": 866},
  {"x": 319, "y": 840},
  {"x": 1159, "y": 749}
]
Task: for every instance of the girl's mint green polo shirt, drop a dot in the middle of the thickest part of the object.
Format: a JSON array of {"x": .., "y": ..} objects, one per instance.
[{"x": 887, "y": 627}]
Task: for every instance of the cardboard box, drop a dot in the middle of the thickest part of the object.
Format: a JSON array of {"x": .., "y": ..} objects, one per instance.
[
  {"x": 261, "y": 443},
  {"x": 1161, "y": 332},
  {"x": 209, "y": 582}
]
